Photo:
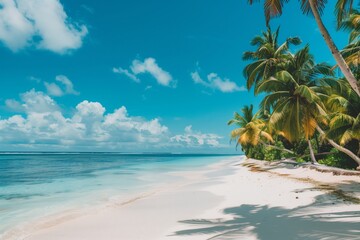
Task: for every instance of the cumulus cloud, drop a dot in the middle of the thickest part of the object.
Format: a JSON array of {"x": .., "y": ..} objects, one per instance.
[
  {"x": 42, "y": 122},
  {"x": 65, "y": 87},
  {"x": 215, "y": 82},
  {"x": 196, "y": 139},
  {"x": 40, "y": 23},
  {"x": 38, "y": 102},
  {"x": 148, "y": 66},
  {"x": 124, "y": 127},
  {"x": 32, "y": 101}
]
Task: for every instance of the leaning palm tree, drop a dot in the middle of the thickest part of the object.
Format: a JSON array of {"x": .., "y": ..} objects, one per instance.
[
  {"x": 344, "y": 126},
  {"x": 251, "y": 128},
  {"x": 268, "y": 58},
  {"x": 296, "y": 107},
  {"x": 344, "y": 105},
  {"x": 273, "y": 8}
]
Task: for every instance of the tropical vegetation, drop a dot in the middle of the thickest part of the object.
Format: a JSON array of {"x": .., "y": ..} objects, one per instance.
[
  {"x": 307, "y": 112},
  {"x": 343, "y": 8}
]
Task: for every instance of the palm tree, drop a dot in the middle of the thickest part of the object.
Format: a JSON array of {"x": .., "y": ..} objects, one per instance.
[
  {"x": 343, "y": 104},
  {"x": 296, "y": 108},
  {"x": 273, "y": 8},
  {"x": 250, "y": 131},
  {"x": 294, "y": 98},
  {"x": 344, "y": 128},
  {"x": 268, "y": 58}
]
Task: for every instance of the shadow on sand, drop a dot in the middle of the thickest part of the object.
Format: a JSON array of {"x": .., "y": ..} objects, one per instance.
[{"x": 275, "y": 223}]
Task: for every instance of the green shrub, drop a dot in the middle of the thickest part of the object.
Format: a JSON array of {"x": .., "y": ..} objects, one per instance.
[
  {"x": 300, "y": 160},
  {"x": 262, "y": 152},
  {"x": 338, "y": 159}
]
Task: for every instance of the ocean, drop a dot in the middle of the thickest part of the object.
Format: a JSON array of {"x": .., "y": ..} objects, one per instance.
[{"x": 37, "y": 185}]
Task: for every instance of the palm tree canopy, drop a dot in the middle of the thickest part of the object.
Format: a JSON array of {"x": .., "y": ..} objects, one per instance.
[
  {"x": 295, "y": 97},
  {"x": 343, "y": 105},
  {"x": 351, "y": 52},
  {"x": 352, "y": 24},
  {"x": 251, "y": 127},
  {"x": 268, "y": 57},
  {"x": 274, "y": 8},
  {"x": 296, "y": 108}
]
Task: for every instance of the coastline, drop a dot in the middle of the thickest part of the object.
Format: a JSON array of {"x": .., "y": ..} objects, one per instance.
[
  {"x": 162, "y": 178},
  {"x": 227, "y": 200}
]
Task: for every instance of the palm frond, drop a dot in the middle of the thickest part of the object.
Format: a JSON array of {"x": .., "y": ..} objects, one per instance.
[
  {"x": 307, "y": 93},
  {"x": 342, "y": 10},
  {"x": 319, "y": 5},
  {"x": 273, "y": 8}
]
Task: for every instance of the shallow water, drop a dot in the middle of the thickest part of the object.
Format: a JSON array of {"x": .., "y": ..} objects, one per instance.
[{"x": 38, "y": 185}]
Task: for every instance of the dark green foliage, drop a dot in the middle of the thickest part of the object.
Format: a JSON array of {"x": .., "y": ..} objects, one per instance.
[
  {"x": 256, "y": 152},
  {"x": 271, "y": 154},
  {"x": 300, "y": 147},
  {"x": 263, "y": 152},
  {"x": 338, "y": 159}
]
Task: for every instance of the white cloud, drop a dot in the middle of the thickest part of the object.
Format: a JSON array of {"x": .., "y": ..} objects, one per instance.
[
  {"x": 224, "y": 85},
  {"x": 66, "y": 87},
  {"x": 32, "y": 102},
  {"x": 196, "y": 139},
  {"x": 53, "y": 89},
  {"x": 41, "y": 23},
  {"x": 126, "y": 73},
  {"x": 43, "y": 123},
  {"x": 14, "y": 105},
  {"x": 15, "y": 29},
  {"x": 69, "y": 87},
  {"x": 38, "y": 102},
  {"x": 215, "y": 82},
  {"x": 198, "y": 80},
  {"x": 90, "y": 109},
  {"x": 121, "y": 125},
  {"x": 149, "y": 66}
]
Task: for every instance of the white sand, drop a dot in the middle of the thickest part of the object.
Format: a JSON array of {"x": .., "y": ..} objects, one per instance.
[{"x": 223, "y": 202}]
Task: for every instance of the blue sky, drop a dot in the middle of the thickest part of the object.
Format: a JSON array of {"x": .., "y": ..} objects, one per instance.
[{"x": 133, "y": 76}]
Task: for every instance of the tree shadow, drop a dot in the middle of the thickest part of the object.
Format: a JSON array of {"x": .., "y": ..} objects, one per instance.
[{"x": 276, "y": 223}]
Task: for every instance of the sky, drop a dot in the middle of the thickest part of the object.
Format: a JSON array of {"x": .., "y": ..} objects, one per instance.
[{"x": 133, "y": 75}]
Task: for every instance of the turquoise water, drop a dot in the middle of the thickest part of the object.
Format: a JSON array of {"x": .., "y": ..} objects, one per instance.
[{"x": 37, "y": 185}]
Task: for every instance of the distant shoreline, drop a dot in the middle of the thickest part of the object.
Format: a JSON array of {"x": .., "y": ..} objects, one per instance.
[{"x": 119, "y": 153}]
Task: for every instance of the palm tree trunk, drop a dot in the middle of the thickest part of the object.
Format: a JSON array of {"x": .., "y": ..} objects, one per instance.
[
  {"x": 340, "y": 148},
  {"x": 334, "y": 50},
  {"x": 312, "y": 156},
  {"x": 317, "y": 142}
]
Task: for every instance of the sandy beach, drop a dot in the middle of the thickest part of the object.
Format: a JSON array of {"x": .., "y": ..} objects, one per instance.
[{"x": 237, "y": 199}]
